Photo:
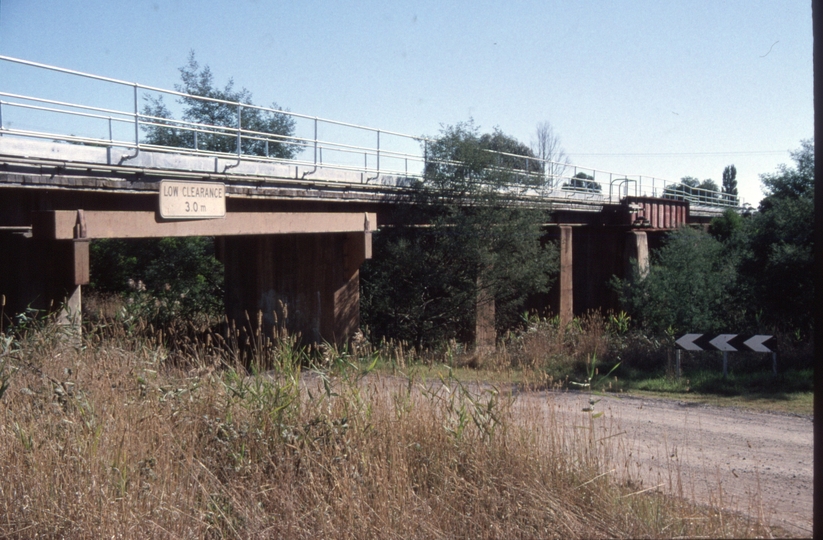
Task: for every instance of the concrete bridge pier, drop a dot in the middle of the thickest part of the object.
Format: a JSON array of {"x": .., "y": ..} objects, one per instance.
[
  {"x": 565, "y": 283},
  {"x": 636, "y": 253},
  {"x": 589, "y": 257},
  {"x": 561, "y": 297},
  {"x": 308, "y": 284}
]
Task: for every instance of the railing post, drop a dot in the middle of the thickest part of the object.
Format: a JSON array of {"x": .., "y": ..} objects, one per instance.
[
  {"x": 528, "y": 170},
  {"x": 378, "y": 154},
  {"x": 239, "y": 128},
  {"x": 136, "y": 120},
  {"x": 315, "y": 141}
]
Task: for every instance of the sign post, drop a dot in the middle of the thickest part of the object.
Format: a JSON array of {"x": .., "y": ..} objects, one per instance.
[{"x": 677, "y": 363}]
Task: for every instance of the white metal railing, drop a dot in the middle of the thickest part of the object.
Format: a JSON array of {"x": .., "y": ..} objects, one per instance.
[{"x": 314, "y": 142}]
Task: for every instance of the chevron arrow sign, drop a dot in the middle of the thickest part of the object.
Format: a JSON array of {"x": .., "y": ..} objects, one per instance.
[{"x": 726, "y": 342}]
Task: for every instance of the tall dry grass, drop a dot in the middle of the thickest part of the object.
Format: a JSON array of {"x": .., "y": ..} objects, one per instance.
[
  {"x": 112, "y": 439},
  {"x": 544, "y": 346}
]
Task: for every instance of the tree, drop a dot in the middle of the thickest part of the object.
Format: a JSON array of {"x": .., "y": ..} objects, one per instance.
[
  {"x": 692, "y": 189},
  {"x": 778, "y": 264},
  {"x": 459, "y": 240},
  {"x": 547, "y": 147},
  {"x": 709, "y": 191},
  {"x": 751, "y": 273},
  {"x": 219, "y": 120},
  {"x": 730, "y": 182},
  {"x": 692, "y": 266},
  {"x": 791, "y": 182},
  {"x": 181, "y": 274},
  {"x": 461, "y": 161},
  {"x": 723, "y": 228},
  {"x": 509, "y": 148},
  {"x": 681, "y": 191}
]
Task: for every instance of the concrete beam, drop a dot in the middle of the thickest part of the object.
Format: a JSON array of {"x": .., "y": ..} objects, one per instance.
[{"x": 60, "y": 224}]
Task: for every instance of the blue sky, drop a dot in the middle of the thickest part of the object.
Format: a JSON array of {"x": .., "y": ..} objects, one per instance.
[{"x": 664, "y": 89}]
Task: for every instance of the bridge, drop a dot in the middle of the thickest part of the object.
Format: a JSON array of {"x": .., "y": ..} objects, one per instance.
[{"x": 76, "y": 165}]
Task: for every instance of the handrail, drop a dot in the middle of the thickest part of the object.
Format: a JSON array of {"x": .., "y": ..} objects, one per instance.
[{"x": 390, "y": 153}]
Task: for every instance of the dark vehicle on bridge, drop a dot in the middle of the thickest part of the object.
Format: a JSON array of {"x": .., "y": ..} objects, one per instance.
[{"x": 582, "y": 182}]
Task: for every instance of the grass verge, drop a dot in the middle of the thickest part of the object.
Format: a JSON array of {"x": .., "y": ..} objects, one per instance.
[
  {"x": 788, "y": 392},
  {"x": 109, "y": 437}
]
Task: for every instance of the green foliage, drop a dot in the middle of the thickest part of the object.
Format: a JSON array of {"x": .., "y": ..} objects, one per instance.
[
  {"x": 791, "y": 182},
  {"x": 457, "y": 165},
  {"x": 750, "y": 273},
  {"x": 694, "y": 190},
  {"x": 682, "y": 190},
  {"x": 689, "y": 286},
  {"x": 723, "y": 228},
  {"x": 199, "y": 81},
  {"x": 423, "y": 284},
  {"x": 730, "y": 180},
  {"x": 618, "y": 323},
  {"x": 498, "y": 141},
  {"x": 181, "y": 276},
  {"x": 778, "y": 263}
]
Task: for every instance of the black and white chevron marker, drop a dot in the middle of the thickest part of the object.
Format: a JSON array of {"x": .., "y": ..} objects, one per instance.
[{"x": 725, "y": 342}]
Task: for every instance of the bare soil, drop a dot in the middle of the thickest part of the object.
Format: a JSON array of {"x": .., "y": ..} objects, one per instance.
[{"x": 757, "y": 463}]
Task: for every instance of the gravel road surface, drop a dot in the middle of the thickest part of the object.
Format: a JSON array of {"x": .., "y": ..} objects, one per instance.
[{"x": 759, "y": 463}]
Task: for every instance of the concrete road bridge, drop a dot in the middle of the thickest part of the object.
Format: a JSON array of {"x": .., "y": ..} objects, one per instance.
[{"x": 77, "y": 163}]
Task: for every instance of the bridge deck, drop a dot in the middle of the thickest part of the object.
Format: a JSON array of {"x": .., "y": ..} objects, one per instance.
[{"x": 34, "y": 164}]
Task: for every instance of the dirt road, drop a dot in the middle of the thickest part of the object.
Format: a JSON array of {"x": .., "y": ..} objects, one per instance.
[
  {"x": 753, "y": 462},
  {"x": 756, "y": 463}
]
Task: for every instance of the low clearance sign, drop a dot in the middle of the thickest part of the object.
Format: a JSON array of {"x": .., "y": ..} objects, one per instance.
[{"x": 192, "y": 200}]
